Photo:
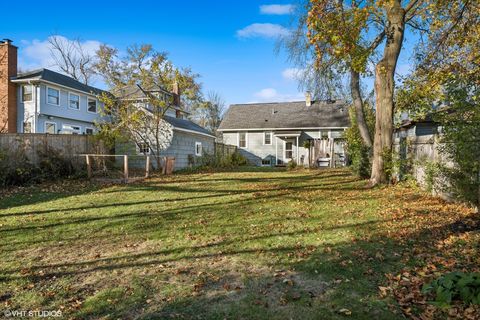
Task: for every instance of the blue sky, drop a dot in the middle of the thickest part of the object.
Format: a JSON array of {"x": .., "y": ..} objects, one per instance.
[{"x": 229, "y": 43}]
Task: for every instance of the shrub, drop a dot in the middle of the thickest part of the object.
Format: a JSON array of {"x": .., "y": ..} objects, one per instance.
[
  {"x": 15, "y": 168},
  {"x": 219, "y": 161},
  {"x": 291, "y": 165},
  {"x": 358, "y": 153},
  {"x": 53, "y": 165},
  {"x": 454, "y": 286}
]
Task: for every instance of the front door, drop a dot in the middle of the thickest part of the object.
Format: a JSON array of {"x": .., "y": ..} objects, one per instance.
[{"x": 288, "y": 156}]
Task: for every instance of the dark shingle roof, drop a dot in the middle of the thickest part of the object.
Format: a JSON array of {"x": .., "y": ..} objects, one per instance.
[
  {"x": 187, "y": 125},
  {"x": 58, "y": 78},
  {"x": 283, "y": 115}
]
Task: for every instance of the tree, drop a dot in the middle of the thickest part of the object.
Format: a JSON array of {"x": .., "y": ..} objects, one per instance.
[
  {"x": 351, "y": 32},
  {"x": 209, "y": 112},
  {"x": 446, "y": 84},
  {"x": 144, "y": 85},
  {"x": 72, "y": 58},
  {"x": 324, "y": 79}
]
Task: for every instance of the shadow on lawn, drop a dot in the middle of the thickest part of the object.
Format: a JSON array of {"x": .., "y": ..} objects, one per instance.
[{"x": 322, "y": 281}]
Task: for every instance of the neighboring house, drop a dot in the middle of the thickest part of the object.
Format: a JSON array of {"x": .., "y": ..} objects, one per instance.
[
  {"x": 418, "y": 128},
  {"x": 275, "y": 133},
  {"x": 189, "y": 140},
  {"x": 44, "y": 101}
]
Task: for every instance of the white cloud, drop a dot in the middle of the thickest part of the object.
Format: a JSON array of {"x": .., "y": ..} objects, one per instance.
[
  {"x": 278, "y": 9},
  {"x": 292, "y": 74},
  {"x": 36, "y": 54},
  {"x": 272, "y": 95},
  {"x": 262, "y": 30}
]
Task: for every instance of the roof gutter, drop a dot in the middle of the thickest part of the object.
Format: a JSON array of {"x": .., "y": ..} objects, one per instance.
[{"x": 273, "y": 129}]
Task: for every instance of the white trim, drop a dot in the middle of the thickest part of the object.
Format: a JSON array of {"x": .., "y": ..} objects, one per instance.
[
  {"x": 46, "y": 96},
  {"x": 271, "y": 137},
  {"x": 273, "y": 129},
  {"x": 246, "y": 140},
  {"x": 57, "y": 85},
  {"x": 195, "y": 132},
  {"x": 93, "y": 130},
  {"x": 96, "y": 105},
  {"x": 266, "y": 165},
  {"x": 21, "y": 92},
  {"x": 285, "y": 150},
  {"x": 68, "y": 105},
  {"x": 198, "y": 154},
  {"x": 288, "y": 135},
  {"x": 45, "y": 126}
]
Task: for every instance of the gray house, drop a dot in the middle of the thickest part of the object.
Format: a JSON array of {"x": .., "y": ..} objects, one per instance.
[{"x": 271, "y": 134}]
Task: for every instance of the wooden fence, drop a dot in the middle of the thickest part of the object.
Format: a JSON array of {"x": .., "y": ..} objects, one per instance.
[
  {"x": 224, "y": 150},
  {"x": 69, "y": 146}
]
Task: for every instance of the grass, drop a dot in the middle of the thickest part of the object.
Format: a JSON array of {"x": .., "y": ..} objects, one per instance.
[{"x": 249, "y": 244}]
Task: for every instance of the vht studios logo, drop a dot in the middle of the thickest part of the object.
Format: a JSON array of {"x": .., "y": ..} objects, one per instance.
[{"x": 32, "y": 313}]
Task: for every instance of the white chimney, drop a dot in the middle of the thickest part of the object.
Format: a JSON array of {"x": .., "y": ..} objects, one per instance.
[{"x": 308, "y": 99}]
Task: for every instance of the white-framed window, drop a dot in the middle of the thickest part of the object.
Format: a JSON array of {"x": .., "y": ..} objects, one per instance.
[
  {"x": 71, "y": 129},
  {"x": 27, "y": 93},
  {"x": 27, "y": 127},
  {"x": 73, "y": 101},
  {"x": 267, "y": 138},
  {"x": 198, "y": 148},
  {"x": 242, "y": 139},
  {"x": 92, "y": 105},
  {"x": 50, "y": 127},
  {"x": 89, "y": 130},
  {"x": 53, "y": 96},
  {"x": 266, "y": 162},
  {"x": 143, "y": 148}
]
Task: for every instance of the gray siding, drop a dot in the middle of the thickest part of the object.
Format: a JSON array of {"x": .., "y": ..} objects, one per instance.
[
  {"x": 256, "y": 150},
  {"x": 183, "y": 145}
]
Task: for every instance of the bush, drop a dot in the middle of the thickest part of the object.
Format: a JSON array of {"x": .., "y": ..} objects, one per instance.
[
  {"x": 358, "y": 153},
  {"x": 219, "y": 161},
  {"x": 291, "y": 165},
  {"x": 16, "y": 168},
  {"x": 454, "y": 286}
]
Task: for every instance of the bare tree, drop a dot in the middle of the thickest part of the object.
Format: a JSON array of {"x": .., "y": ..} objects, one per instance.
[
  {"x": 209, "y": 113},
  {"x": 72, "y": 58}
]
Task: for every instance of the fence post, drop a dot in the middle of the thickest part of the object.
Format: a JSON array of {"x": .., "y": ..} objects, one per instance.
[
  {"x": 89, "y": 167},
  {"x": 125, "y": 168},
  {"x": 147, "y": 167}
]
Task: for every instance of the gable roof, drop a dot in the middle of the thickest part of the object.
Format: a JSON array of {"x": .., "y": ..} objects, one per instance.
[
  {"x": 57, "y": 78},
  {"x": 286, "y": 115},
  {"x": 187, "y": 125}
]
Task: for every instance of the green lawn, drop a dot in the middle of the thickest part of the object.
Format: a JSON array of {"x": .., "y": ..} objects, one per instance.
[{"x": 250, "y": 244}]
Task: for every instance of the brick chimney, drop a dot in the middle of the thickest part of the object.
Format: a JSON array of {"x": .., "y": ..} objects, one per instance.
[
  {"x": 8, "y": 92},
  {"x": 176, "y": 94}
]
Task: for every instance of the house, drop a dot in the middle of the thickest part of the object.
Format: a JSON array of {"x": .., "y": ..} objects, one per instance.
[
  {"x": 45, "y": 101},
  {"x": 189, "y": 140},
  {"x": 269, "y": 134}
]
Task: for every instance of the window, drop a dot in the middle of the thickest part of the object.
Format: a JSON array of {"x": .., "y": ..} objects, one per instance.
[
  {"x": 198, "y": 148},
  {"x": 27, "y": 127},
  {"x": 27, "y": 93},
  {"x": 92, "y": 105},
  {"x": 143, "y": 148},
  {"x": 53, "y": 96},
  {"x": 242, "y": 139},
  {"x": 266, "y": 162},
  {"x": 89, "y": 131},
  {"x": 288, "y": 150},
  {"x": 50, "y": 127},
  {"x": 74, "y": 101},
  {"x": 71, "y": 129},
  {"x": 267, "y": 138}
]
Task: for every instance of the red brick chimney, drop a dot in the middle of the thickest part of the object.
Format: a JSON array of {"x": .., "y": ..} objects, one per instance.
[
  {"x": 8, "y": 94},
  {"x": 176, "y": 94}
]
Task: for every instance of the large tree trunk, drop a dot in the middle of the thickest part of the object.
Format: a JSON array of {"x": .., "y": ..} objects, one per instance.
[
  {"x": 358, "y": 103},
  {"x": 384, "y": 90}
]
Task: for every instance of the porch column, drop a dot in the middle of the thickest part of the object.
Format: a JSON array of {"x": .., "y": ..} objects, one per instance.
[
  {"x": 297, "y": 151},
  {"x": 276, "y": 157}
]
